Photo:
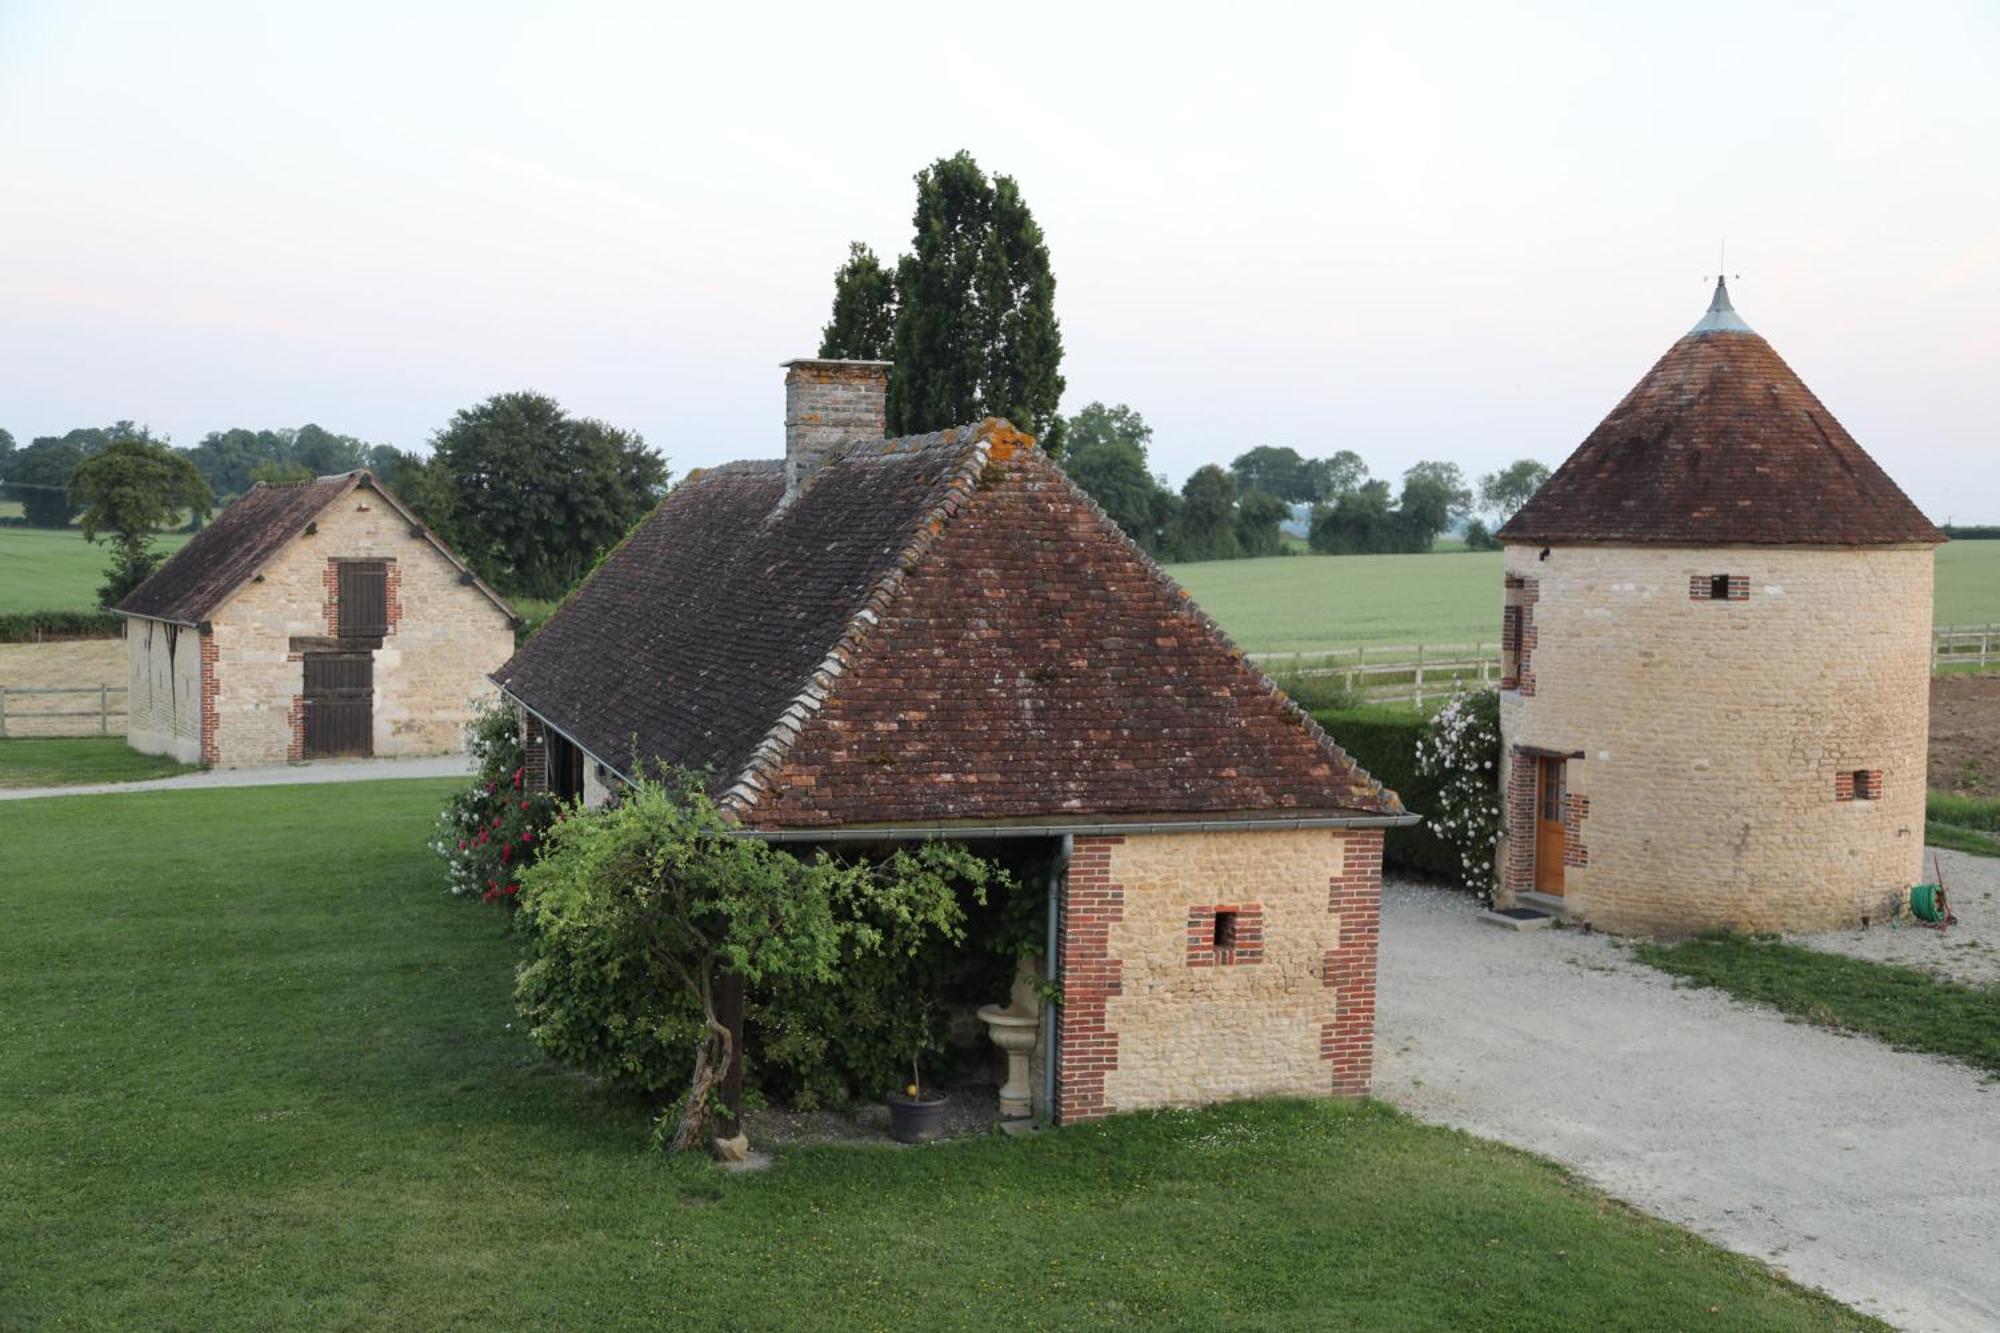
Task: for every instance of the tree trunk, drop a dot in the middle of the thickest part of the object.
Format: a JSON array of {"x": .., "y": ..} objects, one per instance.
[{"x": 711, "y": 1066}]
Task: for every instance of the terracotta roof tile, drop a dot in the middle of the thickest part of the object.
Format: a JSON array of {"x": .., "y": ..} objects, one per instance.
[
  {"x": 200, "y": 576},
  {"x": 1721, "y": 443}
]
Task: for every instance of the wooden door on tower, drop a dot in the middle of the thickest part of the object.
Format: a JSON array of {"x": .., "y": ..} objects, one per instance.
[
  {"x": 340, "y": 705},
  {"x": 1549, "y": 838}
]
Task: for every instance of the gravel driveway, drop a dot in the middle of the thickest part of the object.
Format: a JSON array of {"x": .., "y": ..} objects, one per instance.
[
  {"x": 1969, "y": 951},
  {"x": 1870, "y": 1173}
]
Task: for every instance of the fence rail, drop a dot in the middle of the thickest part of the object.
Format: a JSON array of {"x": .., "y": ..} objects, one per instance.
[
  {"x": 9, "y": 711},
  {"x": 1965, "y": 645},
  {"x": 1414, "y": 672}
]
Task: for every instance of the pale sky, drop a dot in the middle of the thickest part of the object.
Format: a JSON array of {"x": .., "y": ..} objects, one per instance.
[{"x": 1456, "y": 232}]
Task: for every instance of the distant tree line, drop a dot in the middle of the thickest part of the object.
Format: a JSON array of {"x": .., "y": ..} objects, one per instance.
[
  {"x": 1239, "y": 511},
  {"x": 529, "y": 495}
]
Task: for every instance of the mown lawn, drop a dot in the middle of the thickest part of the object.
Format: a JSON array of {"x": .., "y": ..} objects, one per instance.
[
  {"x": 260, "y": 1073},
  {"x": 51, "y": 762},
  {"x": 1963, "y": 822},
  {"x": 1314, "y": 603},
  {"x": 43, "y": 569},
  {"x": 1897, "y": 1005}
]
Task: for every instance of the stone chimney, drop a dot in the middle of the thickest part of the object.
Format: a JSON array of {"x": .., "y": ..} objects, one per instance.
[{"x": 828, "y": 404}]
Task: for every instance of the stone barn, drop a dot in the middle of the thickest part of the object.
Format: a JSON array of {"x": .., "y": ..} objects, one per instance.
[
  {"x": 1716, "y": 660},
  {"x": 310, "y": 621},
  {"x": 877, "y": 641}
]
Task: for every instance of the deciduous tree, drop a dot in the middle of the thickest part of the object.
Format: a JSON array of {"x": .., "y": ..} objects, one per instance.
[
  {"x": 531, "y": 496},
  {"x": 132, "y": 490},
  {"x": 1502, "y": 493}
]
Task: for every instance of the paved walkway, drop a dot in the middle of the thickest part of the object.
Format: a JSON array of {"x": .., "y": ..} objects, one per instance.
[
  {"x": 347, "y": 770},
  {"x": 1870, "y": 1173}
]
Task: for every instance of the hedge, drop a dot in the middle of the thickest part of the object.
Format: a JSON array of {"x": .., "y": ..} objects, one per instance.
[
  {"x": 1384, "y": 741},
  {"x": 1978, "y": 532},
  {"x": 35, "y": 626}
]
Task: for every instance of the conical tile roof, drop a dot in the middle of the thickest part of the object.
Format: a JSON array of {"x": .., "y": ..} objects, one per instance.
[{"x": 1721, "y": 444}]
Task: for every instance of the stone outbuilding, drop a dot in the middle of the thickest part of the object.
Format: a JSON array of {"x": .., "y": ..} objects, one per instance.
[
  {"x": 1716, "y": 660},
  {"x": 309, "y": 621},
  {"x": 879, "y": 641}
]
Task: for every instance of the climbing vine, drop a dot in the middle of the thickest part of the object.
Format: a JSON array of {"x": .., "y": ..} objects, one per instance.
[{"x": 1460, "y": 753}]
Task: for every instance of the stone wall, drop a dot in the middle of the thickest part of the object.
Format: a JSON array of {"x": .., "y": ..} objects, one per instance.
[
  {"x": 1161, "y": 1008},
  {"x": 1713, "y": 732},
  {"x": 163, "y": 695},
  {"x": 431, "y": 668}
]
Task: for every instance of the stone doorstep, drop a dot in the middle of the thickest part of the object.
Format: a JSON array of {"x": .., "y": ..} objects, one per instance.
[{"x": 1517, "y": 918}]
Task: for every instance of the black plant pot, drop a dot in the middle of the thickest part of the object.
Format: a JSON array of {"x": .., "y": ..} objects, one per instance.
[{"x": 917, "y": 1119}]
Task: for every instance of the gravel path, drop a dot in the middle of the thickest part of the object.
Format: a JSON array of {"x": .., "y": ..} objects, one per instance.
[
  {"x": 287, "y": 775},
  {"x": 1969, "y": 951},
  {"x": 1870, "y": 1173}
]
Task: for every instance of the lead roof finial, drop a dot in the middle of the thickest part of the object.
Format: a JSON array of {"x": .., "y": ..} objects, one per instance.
[{"x": 1721, "y": 316}]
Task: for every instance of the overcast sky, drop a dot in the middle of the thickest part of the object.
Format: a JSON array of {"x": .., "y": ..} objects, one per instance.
[{"x": 1455, "y": 232}]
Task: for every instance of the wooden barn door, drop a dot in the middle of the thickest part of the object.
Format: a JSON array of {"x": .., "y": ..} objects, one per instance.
[
  {"x": 340, "y": 704},
  {"x": 1549, "y": 840}
]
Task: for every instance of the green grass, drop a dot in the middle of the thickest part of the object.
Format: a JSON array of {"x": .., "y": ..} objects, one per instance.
[
  {"x": 1963, "y": 823},
  {"x": 1955, "y": 839},
  {"x": 260, "y": 1073},
  {"x": 51, "y": 762},
  {"x": 1968, "y": 584},
  {"x": 1897, "y": 1005},
  {"x": 1314, "y": 603},
  {"x": 42, "y": 569}
]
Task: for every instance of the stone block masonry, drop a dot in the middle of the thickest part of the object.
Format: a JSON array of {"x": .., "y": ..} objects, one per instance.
[
  {"x": 1752, "y": 761},
  {"x": 1159, "y": 1010},
  {"x": 444, "y": 636}
]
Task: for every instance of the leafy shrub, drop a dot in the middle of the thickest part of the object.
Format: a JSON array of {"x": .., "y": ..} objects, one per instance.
[
  {"x": 1460, "y": 755},
  {"x": 492, "y": 830},
  {"x": 1384, "y": 740},
  {"x": 635, "y": 912},
  {"x": 35, "y": 626}
]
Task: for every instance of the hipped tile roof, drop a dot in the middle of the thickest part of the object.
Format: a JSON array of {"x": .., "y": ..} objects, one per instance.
[
  {"x": 1721, "y": 444},
  {"x": 936, "y": 629}
]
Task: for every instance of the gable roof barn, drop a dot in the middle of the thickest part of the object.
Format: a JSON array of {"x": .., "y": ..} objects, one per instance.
[
  {"x": 931, "y": 630},
  {"x": 1720, "y": 443},
  {"x": 197, "y": 579}
]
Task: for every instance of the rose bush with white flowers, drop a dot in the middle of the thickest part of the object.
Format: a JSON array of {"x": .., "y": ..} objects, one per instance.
[{"x": 1460, "y": 753}]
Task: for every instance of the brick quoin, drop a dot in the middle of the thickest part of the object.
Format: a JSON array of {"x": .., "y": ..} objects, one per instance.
[
  {"x": 1517, "y": 630},
  {"x": 1518, "y": 874},
  {"x": 1086, "y": 1049},
  {"x": 1347, "y": 1041},
  {"x": 211, "y": 693},
  {"x": 331, "y": 578},
  {"x": 295, "y": 748},
  {"x": 534, "y": 753}
]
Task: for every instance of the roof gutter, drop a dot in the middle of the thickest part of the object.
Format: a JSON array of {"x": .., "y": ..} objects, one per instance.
[{"x": 982, "y": 832}]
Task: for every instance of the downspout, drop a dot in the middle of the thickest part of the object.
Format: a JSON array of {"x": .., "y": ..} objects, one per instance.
[{"x": 1058, "y": 877}]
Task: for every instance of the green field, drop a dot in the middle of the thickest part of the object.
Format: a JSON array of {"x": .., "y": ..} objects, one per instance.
[
  {"x": 262, "y": 1073},
  {"x": 1312, "y": 603},
  {"x": 43, "y": 569}
]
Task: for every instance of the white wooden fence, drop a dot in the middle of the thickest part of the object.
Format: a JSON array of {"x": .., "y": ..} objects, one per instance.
[
  {"x": 1415, "y": 672},
  {"x": 28, "y": 718}
]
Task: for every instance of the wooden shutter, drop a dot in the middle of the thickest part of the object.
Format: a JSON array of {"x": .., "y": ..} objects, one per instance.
[{"x": 364, "y": 599}]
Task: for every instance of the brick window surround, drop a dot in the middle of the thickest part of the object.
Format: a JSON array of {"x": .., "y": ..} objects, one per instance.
[
  {"x": 1517, "y": 633},
  {"x": 392, "y": 592},
  {"x": 1704, "y": 587},
  {"x": 1225, "y": 935},
  {"x": 1858, "y": 784}
]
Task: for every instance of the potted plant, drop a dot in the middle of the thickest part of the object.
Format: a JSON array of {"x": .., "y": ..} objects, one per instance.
[{"x": 916, "y": 1114}]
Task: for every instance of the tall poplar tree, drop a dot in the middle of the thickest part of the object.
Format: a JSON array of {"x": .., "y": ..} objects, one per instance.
[
  {"x": 863, "y": 327},
  {"x": 972, "y": 310}
]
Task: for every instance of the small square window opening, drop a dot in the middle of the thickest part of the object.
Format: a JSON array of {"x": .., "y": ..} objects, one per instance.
[
  {"x": 1867, "y": 785},
  {"x": 1718, "y": 588},
  {"x": 1225, "y": 932}
]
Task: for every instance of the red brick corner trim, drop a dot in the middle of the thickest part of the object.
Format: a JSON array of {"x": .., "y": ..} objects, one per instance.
[
  {"x": 1086, "y": 1049},
  {"x": 1517, "y": 633},
  {"x": 211, "y": 693},
  {"x": 1347, "y": 1041}
]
